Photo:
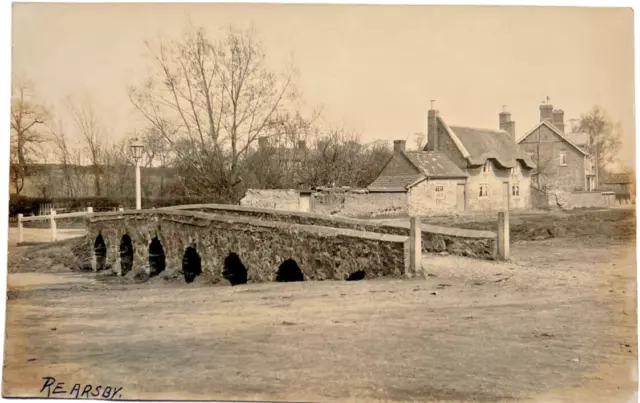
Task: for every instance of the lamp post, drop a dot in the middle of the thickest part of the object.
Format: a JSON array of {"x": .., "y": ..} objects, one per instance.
[{"x": 136, "y": 150}]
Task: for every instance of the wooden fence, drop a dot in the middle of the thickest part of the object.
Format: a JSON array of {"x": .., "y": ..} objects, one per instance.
[{"x": 51, "y": 217}]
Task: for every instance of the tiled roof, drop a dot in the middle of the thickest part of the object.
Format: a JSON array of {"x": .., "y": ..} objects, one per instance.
[
  {"x": 579, "y": 139},
  {"x": 393, "y": 183},
  {"x": 431, "y": 164},
  {"x": 435, "y": 164},
  {"x": 483, "y": 144}
]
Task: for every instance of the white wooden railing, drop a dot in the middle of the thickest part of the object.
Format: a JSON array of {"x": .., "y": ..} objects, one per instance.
[{"x": 52, "y": 218}]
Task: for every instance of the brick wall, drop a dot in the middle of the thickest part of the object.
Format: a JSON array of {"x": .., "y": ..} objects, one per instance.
[
  {"x": 545, "y": 148},
  {"x": 425, "y": 199}
]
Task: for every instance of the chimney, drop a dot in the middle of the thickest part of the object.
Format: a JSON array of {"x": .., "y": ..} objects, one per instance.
[
  {"x": 302, "y": 145},
  {"x": 399, "y": 145},
  {"x": 432, "y": 129},
  {"x": 558, "y": 119},
  {"x": 507, "y": 124},
  {"x": 263, "y": 143},
  {"x": 546, "y": 113}
]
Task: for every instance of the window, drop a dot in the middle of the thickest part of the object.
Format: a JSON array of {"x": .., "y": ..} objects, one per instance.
[
  {"x": 439, "y": 191},
  {"x": 486, "y": 167},
  {"x": 439, "y": 188},
  {"x": 483, "y": 190},
  {"x": 563, "y": 158},
  {"x": 515, "y": 189}
]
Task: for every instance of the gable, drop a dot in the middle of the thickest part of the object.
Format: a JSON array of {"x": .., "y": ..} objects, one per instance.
[
  {"x": 544, "y": 132},
  {"x": 399, "y": 165}
]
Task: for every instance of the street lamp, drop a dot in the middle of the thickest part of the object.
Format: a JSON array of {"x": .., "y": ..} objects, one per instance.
[{"x": 136, "y": 150}]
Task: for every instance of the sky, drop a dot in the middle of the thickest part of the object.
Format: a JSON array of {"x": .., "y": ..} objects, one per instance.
[{"x": 373, "y": 69}]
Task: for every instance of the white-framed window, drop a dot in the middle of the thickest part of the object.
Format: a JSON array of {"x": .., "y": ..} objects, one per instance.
[
  {"x": 515, "y": 189},
  {"x": 484, "y": 190},
  {"x": 439, "y": 191},
  {"x": 563, "y": 158}
]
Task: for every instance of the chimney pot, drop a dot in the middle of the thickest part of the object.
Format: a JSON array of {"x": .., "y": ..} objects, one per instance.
[
  {"x": 399, "y": 145},
  {"x": 546, "y": 113}
]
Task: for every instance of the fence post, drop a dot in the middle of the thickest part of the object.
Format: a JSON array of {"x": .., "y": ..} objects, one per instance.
[
  {"x": 120, "y": 209},
  {"x": 54, "y": 229},
  {"x": 89, "y": 210},
  {"x": 20, "y": 230},
  {"x": 415, "y": 248},
  {"x": 503, "y": 235}
]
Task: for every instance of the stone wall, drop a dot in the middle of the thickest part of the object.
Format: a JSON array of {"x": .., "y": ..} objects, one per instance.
[
  {"x": 436, "y": 196},
  {"x": 570, "y": 200},
  {"x": 457, "y": 241},
  {"x": 279, "y": 199},
  {"x": 321, "y": 252},
  {"x": 359, "y": 203}
]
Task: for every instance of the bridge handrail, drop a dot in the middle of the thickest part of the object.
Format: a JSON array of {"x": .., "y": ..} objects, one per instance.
[{"x": 426, "y": 228}]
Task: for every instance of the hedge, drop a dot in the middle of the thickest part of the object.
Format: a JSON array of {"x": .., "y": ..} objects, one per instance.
[{"x": 31, "y": 205}]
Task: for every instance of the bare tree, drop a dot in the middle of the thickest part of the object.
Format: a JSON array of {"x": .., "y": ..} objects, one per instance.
[
  {"x": 26, "y": 118},
  {"x": 211, "y": 100},
  {"x": 90, "y": 130},
  {"x": 604, "y": 137}
]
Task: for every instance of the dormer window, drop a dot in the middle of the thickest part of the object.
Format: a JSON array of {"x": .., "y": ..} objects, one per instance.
[{"x": 487, "y": 166}]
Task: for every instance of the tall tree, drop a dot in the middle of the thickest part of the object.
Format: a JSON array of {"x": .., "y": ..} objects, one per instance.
[
  {"x": 91, "y": 133},
  {"x": 211, "y": 100},
  {"x": 27, "y": 117},
  {"x": 604, "y": 137}
]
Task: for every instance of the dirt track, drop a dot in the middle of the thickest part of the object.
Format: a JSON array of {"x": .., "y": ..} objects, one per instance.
[{"x": 557, "y": 323}]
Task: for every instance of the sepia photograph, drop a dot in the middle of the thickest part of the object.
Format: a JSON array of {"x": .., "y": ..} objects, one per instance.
[{"x": 283, "y": 202}]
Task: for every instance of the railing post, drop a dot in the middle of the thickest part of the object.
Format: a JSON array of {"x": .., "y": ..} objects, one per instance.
[
  {"x": 503, "y": 235},
  {"x": 121, "y": 209},
  {"x": 89, "y": 210},
  {"x": 415, "y": 248},
  {"x": 54, "y": 229},
  {"x": 20, "y": 229}
]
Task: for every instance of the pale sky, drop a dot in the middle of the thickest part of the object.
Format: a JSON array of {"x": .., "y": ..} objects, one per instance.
[{"x": 373, "y": 68}]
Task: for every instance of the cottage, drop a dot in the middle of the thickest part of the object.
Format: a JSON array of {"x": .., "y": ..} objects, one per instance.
[
  {"x": 431, "y": 181},
  {"x": 562, "y": 159},
  {"x": 460, "y": 169}
]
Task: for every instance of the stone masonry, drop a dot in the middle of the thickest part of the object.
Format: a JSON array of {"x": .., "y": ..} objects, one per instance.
[{"x": 321, "y": 252}]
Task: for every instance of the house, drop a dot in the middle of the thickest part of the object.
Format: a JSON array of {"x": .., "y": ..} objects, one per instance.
[
  {"x": 431, "y": 181},
  {"x": 460, "y": 169},
  {"x": 562, "y": 159}
]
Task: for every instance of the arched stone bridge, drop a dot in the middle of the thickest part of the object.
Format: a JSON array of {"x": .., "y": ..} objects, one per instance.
[
  {"x": 261, "y": 240},
  {"x": 262, "y": 246}
]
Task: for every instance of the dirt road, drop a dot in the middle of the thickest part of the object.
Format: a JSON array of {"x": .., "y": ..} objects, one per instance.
[{"x": 556, "y": 324}]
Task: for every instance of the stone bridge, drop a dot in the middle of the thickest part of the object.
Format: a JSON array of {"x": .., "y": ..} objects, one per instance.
[{"x": 265, "y": 245}]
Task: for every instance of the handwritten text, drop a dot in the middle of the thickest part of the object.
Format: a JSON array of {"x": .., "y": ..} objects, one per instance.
[{"x": 55, "y": 388}]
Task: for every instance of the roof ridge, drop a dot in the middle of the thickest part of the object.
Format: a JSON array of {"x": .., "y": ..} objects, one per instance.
[{"x": 480, "y": 128}]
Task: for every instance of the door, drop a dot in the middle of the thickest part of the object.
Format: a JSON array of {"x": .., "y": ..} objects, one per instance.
[
  {"x": 460, "y": 197},
  {"x": 505, "y": 195},
  {"x": 305, "y": 202}
]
